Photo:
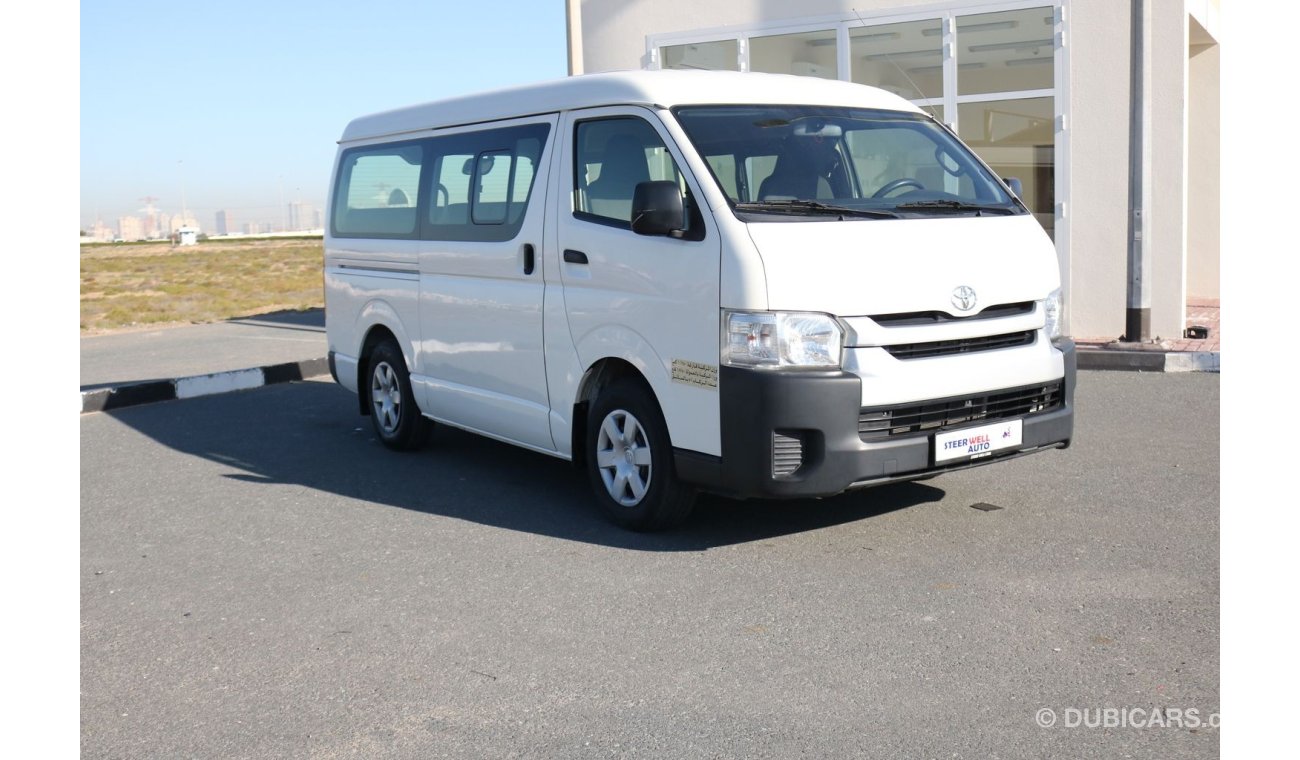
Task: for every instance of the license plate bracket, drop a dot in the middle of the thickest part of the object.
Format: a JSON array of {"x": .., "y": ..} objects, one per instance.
[{"x": 977, "y": 442}]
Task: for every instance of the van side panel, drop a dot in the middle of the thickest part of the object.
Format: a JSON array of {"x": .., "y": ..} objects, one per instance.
[
  {"x": 369, "y": 282},
  {"x": 481, "y": 364}
]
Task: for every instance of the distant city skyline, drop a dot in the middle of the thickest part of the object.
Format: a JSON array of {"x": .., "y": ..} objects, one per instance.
[
  {"x": 153, "y": 222},
  {"x": 200, "y": 109},
  {"x": 208, "y": 219}
]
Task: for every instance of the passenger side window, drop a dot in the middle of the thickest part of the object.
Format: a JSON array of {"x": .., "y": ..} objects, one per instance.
[
  {"x": 611, "y": 158},
  {"x": 757, "y": 169},
  {"x": 481, "y": 182},
  {"x": 490, "y": 199},
  {"x": 724, "y": 168},
  {"x": 378, "y": 191}
]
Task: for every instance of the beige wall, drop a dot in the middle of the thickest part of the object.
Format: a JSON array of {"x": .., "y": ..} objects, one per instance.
[
  {"x": 1203, "y": 172},
  {"x": 1167, "y": 214},
  {"x": 1098, "y": 187}
]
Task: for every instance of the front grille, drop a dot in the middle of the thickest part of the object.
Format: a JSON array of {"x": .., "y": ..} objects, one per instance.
[
  {"x": 932, "y": 416},
  {"x": 960, "y": 345},
  {"x": 787, "y": 454},
  {"x": 910, "y": 318}
]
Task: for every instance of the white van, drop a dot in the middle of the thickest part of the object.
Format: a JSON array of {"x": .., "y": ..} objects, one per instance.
[{"x": 748, "y": 284}]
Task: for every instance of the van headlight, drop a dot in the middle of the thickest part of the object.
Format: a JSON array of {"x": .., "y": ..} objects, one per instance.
[
  {"x": 781, "y": 339},
  {"x": 1052, "y": 310}
]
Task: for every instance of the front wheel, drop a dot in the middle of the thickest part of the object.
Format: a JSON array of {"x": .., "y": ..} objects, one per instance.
[
  {"x": 630, "y": 461},
  {"x": 397, "y": 420}
]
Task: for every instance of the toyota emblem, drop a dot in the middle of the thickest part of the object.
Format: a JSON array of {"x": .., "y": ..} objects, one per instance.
[{"x": 964, "y": 298}]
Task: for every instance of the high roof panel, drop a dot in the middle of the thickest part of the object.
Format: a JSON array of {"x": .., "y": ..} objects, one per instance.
[{"x": 651, "y": 88}]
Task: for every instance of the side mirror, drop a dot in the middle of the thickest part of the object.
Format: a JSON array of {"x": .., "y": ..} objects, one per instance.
[
  {"x": 1013, "y": 184},
  {"x": 658, "y": 208}
]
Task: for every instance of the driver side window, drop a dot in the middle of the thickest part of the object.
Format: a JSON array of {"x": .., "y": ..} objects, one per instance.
[{"x": 611, "y": 157}]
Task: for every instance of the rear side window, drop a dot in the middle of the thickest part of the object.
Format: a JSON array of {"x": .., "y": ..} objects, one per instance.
[
  {"x": 473, "y": 186},
  {"x": 378, "y": 192},
  {"x": 480, "y": 182}
]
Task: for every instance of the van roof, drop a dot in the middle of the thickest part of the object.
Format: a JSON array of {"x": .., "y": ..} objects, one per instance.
[{"x": 649, "y": 88}]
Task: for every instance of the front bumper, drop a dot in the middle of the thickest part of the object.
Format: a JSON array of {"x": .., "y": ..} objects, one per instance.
[{"x": 822, "y": 408}]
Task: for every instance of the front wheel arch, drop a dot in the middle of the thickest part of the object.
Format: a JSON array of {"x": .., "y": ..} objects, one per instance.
[{"x": 599, "y": 375}]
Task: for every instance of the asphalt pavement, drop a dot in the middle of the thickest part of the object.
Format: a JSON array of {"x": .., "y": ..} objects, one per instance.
[
  {"x": 261, "y": 578},
  {"x": 167, "y": 353}
]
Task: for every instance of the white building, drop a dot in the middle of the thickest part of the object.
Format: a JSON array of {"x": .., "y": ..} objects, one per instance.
[{"x": 1041, "y": 90}]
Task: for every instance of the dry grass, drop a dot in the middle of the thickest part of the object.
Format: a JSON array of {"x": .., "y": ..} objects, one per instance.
[{"x": 126, "y": 286}]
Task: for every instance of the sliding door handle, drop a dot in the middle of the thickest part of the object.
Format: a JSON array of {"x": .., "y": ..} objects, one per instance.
[
  {"x": 574, "y": 257},
  {"x": 529, "y": 259}
]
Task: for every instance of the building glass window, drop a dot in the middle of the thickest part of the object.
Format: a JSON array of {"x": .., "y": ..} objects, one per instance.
[
  {"x": 990, "y": 76},
  {"x": 1015, "y": 138},
  {"x": 906, "y": 59},
  {"x": 712, "y": 56},
  {"x": 1006, "y": 51},
  {"x": 809, "y": 54}
]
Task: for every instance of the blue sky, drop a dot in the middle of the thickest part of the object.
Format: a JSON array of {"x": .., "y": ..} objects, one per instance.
[{"x": 229, "y": 102}]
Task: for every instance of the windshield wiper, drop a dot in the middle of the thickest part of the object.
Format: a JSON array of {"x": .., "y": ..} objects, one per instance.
[
  {"x": 797, "y": 206},
  {"x": 940, "y": 205}
]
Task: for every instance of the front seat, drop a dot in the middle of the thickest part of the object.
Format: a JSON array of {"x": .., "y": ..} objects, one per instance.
[
  {"x": 797, "y": 174},
  {"x": 622, "y": 168}
]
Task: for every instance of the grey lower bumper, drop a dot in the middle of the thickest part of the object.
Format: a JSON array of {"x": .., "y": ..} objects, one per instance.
[{"x": 823, "y": 407}]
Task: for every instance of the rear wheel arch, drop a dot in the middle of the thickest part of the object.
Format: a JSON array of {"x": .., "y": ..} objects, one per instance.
[{"x": 375, "y": 336}]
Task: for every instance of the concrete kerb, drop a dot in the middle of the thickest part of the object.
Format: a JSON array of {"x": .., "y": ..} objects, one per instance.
[
  {"x": 1149, "y": 361},
  {"x": 131, "y": 394}
]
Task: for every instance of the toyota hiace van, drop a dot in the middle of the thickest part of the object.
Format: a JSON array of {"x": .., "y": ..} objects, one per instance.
[{"x": 748, "y": 284}]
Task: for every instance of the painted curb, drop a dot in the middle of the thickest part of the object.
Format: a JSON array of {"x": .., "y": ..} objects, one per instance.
[
  {"x": 134, "y": 394},
  {"x": 1149, "y": 361}
]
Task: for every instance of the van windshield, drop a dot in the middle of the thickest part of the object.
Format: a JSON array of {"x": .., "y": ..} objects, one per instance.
[{"x": 822, "y": 161}]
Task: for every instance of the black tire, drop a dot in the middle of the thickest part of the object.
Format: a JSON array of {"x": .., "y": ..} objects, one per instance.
[
  {"x": 616, "y": 464},
  {"x": 393, "y": 411}
]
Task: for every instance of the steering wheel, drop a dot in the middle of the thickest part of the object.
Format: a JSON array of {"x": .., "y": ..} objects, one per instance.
[
  {"x": 893, "y": 185},
  {"x": 446, "y": 197}
]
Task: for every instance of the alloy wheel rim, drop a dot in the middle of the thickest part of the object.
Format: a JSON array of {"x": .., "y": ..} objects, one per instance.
[
  {"x": 623, "y": 457},
  {"x": 386, "y": 395}
]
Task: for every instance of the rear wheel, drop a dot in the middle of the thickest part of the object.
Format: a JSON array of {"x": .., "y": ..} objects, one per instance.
[
  {"x": 396, "y": 418},
  {"x": 630, "y": 461}
]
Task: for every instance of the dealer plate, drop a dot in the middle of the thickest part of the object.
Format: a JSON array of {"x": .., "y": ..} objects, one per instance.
[{"x": 976, "y": 442}]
